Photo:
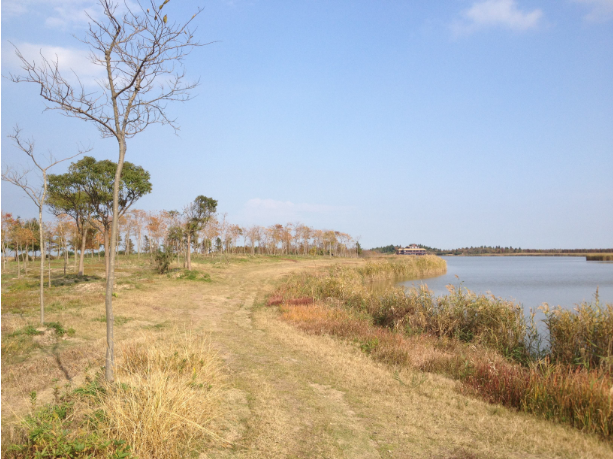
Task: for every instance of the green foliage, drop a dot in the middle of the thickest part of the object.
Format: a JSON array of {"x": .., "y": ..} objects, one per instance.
[
  {"x": 87, "y": 189},
  {"x": 194, "y": 275},
  {"x": 199, "y": 212},
  {"x": 72, "y": 279},
  {"x": 28, "y": 330},
  {"x": 117, "y": 320},
  {"x": 385, "y": 249},
  {"x": 50, "y": 433},
  {"x": 163, "y": 259},
  {"x": 59, "y": 329}
]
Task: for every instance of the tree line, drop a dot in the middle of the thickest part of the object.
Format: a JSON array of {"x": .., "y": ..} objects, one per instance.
[
  {"x": 483, "y": 250},
  {"x": 81, "y": 201}
]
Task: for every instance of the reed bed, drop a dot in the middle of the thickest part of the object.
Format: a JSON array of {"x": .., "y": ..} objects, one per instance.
[
  {"x": 483, "y": 341},
  {"x": 599, "y": 257},
  {"x": 583, "y": 337}
]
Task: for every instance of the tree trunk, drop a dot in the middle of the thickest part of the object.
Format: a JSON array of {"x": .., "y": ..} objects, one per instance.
[
  {"x": 49, "y": 271},
  {"x": 42, "y": 266},
  {"x": 18, "y": 266},
  {"x": 109, "y": 370},
  {"x": 82, "y": 253},
  {"x": 107, "y": 238},
  {"x": 189, "y": 252}
]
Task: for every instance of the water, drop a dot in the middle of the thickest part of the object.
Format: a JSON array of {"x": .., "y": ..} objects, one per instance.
[{"x": 531, "y": 281}]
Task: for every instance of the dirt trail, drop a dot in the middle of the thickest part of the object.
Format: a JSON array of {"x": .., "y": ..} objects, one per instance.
[{"x": 297, "y": 396}]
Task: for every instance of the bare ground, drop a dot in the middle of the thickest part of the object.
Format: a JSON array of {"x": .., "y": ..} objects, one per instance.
[{"x": 293, "y": 395}]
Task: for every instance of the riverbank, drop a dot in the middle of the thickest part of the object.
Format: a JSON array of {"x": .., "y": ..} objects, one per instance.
[
  {"x": 528, "y": 254},
  {"x": 483, "y": 341},
  {"x": 283, "y": 392}
]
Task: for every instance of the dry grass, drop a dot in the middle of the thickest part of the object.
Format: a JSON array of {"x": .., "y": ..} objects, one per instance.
[
  {"x": 165, "y": 394},
  {"x": 290, "y": 394}
]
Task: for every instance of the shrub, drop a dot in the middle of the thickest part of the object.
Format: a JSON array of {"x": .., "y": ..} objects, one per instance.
[{"x": 162, "y": 260}]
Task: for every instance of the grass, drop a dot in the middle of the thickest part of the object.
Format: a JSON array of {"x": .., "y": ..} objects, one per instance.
[
  {"x": 288, "y": 393},
  {"x": 164, "y": 395},
  {"x": 195, "y": 275},
  {"x": 118, "y": 320},
  {"x": 483, "y": 341}
]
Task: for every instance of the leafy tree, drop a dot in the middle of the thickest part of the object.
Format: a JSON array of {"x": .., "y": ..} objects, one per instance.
[
  {"x": 67, "y": 197},
  {"x": 197, "y": 215},
  {"x": 97, "y": 180}
]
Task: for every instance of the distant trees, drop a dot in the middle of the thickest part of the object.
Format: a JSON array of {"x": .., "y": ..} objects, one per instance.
[{"x": 36, "y": 192}]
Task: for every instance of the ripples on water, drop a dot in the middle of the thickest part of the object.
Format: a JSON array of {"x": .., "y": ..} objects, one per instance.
[{"x": 531, "y": 281}]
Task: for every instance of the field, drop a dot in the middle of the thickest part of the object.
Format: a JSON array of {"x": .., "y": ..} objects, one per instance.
[{"x": 275, "y": 390}]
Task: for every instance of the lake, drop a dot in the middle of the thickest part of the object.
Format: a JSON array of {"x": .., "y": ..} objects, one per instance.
[{"x": 531, "y": 281}]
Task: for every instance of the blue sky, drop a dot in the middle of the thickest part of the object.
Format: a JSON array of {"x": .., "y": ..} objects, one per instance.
[{"x": 451, "y": 123}]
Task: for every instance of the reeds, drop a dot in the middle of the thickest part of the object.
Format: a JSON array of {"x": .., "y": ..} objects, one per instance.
[
  {"x": 570, "y": 382},
  {"x": 583, "y": 337},
  {"x": 577, "y": 396}
]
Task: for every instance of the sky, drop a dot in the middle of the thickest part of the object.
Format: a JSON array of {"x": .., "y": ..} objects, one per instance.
[{"x": 450, "y": 124}]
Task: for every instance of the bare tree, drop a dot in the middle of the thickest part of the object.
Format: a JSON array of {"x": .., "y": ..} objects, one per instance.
[
  {"x": 142, "y": 54},
  {"x": 36, "y": 192}
]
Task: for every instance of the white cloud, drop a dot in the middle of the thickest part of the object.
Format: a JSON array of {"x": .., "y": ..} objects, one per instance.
[
  {"x": 70, "y": 60},
  {"x": 497, "y": 13},
  {"x": 61, "y": 13},
  {"x": 270, "y": 211},
  {"x": 600, "y": 10}
]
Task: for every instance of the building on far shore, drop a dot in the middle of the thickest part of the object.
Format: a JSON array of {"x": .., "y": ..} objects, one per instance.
[{"x": 410, "y": 250}]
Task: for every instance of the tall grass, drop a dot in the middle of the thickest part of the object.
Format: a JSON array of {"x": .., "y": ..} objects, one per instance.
[
  {"x": 571, "y": 382},
  {"x": 583, "y": 337},
  {"x": 486, "y": 320},
  {"x": 165, "y": 394}
]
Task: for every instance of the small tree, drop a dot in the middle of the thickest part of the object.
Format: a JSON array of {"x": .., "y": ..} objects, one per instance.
[
  {"x": 37, "y": 193},
  {"x": 142, "y": 53},
  {"x": 197, "y": 215},
  {"x": 68, "y": 198}
]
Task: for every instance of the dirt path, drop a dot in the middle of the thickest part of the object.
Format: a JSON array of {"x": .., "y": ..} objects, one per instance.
[{"x": 297, "y": 396}]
